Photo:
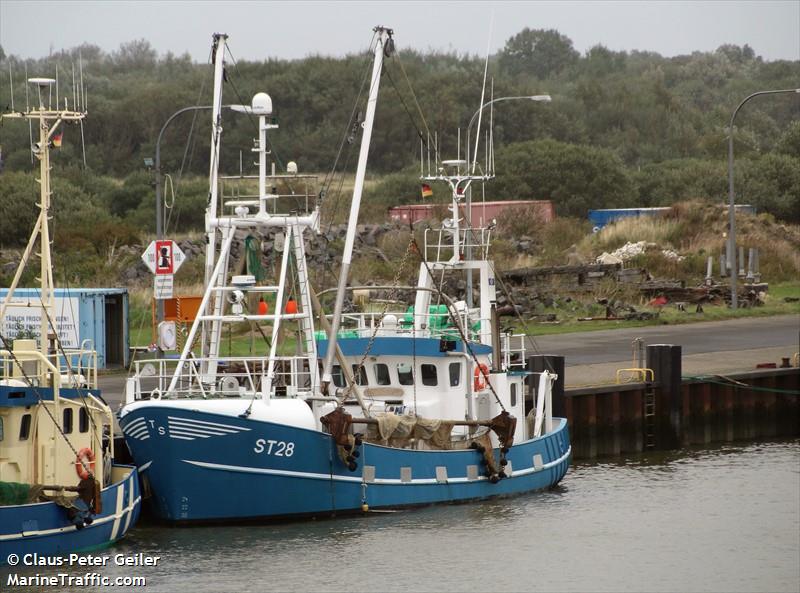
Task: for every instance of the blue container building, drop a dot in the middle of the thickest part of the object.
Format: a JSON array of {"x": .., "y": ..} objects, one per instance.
[{"x": 96, "y": 314}]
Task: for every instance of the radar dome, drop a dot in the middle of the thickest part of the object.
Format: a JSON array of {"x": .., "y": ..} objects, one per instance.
[{"x": 262, "y": 104}]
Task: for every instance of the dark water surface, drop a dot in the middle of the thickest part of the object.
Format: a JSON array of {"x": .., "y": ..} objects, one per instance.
[{"x": 721, "y": 519}]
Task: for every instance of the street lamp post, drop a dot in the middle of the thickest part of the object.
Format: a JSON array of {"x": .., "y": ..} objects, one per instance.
[
  {"x": 540, "y": 98},
  {"x": 731, "y": 208},
  {"x": 159, "y": 198},
  {"x": 468, "y": 200}
]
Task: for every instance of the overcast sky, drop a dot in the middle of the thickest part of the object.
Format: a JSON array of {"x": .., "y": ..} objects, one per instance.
[{"x": 295, "y": 29}]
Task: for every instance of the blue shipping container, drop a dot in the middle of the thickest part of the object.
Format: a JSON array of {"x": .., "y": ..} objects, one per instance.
[
  {"x": 96, "y": 314},
  {"x": 602, "y": 217}
]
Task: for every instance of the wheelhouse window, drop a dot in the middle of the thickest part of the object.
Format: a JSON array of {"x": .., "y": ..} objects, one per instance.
[
  {"x": 338, "y": 376},
  {"x": 382, "y": 374},
  {"x": 405, "y": 374},
  {"x": 25, "y": 427},
  {"x": 360, "y": 374},
  {"x": 513, "y": 394},
  {"x": 455, "y": 374},
  {"x": 1, "y": 429},
  {"x": 428, "y": 372},
  {"x": 66, "y": 425},
  {"x": 83, "y": 420}
]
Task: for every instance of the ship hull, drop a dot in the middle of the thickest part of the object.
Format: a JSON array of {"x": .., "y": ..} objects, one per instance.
[
  {"x": 202, "y": 466},
  {"x": 44, "y": 529}
]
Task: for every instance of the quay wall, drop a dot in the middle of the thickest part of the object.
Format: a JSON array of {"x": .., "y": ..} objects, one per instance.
[{"x": 671, "y": 411}]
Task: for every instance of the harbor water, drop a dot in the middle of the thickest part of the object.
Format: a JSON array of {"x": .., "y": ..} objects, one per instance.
[{"x": 711, "y": 519}]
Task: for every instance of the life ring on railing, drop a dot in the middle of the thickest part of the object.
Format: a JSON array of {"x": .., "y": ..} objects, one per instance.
[
  {"x": 481, "y": 371},
  {"x": 84, "y": 463}
]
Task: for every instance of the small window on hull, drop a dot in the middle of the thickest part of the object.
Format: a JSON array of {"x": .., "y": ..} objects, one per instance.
[
  {"x": 382, "y": 374},
  {"x": 66, "y": 426},
  {"x": 338, "y": 376},
  {"x": 428, "y": 372},
  {"x": 405, "y": 375},
  {"x": 83, "y": 420},
  {"x": 360, "y": 374},
  {"x": 513, "y": 394},
  {"x": 455, "y": 374},
  {"x": 25, "y": 427}
]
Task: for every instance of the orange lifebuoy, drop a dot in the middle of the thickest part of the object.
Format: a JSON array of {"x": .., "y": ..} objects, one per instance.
[
  {"x": 84, "y": 463},
  {"x": 481, "y": 371}
]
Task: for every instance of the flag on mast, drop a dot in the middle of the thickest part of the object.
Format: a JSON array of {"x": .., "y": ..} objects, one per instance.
[
  {"x": 57, "y": 138},
  {"x": 427, "y": 192}
]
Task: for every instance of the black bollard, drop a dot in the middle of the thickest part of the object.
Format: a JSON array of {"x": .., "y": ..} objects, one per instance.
[{"x": 665, "y": 361}]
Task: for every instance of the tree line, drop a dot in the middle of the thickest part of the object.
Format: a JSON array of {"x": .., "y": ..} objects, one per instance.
[{"x": 623, "y": 128}]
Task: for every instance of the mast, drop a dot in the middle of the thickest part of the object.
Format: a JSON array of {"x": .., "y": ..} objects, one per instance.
[
  {"x": 383, "y": 45},
  {"x": 41, "y": 150},
  {"x": 210, "y": 340}
]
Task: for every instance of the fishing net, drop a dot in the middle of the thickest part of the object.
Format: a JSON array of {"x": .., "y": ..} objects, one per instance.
[
  {"x": 396, "y": 430},
  {"x": 14, "y": 493}
]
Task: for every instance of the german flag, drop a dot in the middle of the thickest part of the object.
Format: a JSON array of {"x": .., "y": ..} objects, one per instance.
[
  {"x": 57, "y": 137},
  {"x": 427, "y": 192}
]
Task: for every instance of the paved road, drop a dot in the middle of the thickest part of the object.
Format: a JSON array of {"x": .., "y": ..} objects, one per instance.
[
  {"x": 614, "y": 345},
  {"x": 593, "y": 357}
]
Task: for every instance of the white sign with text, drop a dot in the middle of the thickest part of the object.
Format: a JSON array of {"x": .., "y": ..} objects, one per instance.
[{"x": 23, "y": 318}]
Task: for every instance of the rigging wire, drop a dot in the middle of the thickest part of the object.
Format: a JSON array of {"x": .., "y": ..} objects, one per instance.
[
  {"x": 396, "y": 57},
  {"x": 348, "y": 128}
]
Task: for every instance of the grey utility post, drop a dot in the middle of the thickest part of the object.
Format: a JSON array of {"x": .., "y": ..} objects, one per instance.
[{"x": 731, "y": 208}]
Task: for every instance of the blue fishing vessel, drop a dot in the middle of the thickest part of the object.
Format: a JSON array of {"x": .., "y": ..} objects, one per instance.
[
  {"x": 60, "y": 491},
  {"x": 364, "y": 410}
]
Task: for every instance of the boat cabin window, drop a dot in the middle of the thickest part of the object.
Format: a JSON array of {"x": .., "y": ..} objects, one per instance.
[
  {"x": 338, "y": 376},
  {"x": 1, "y": 429},
  {"x": 25, "y": 427},
  {"x": 405, "y": 374},
  {"x": 513, "y": 394},
  {"x": 455, "y": 374},
  {"x": 83, "y": 420},
  {"x": 428, "y": 372},
  {"x": 360, "y": 374},
  {"x": 66, "y": 425},
  {"x": 382, "y": 374}
]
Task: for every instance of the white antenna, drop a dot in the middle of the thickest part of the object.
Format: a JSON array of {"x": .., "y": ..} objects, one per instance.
[
  {"x": 83, "y": 90},
  {"x": 57, "y": 95},
  {"x": 11, "y": 84},
  {"x": 490, "y": 164},
  {"x": 421, "y": 156},
  {"x": 74, "y": 89},
  {"x": 483, "y": 91},
  {"x": 27, "y": 109},
  {"x": 83, "y": 106}
]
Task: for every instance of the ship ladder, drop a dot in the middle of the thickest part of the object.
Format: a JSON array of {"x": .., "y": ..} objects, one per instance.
[{"x": 649, "y": 416}]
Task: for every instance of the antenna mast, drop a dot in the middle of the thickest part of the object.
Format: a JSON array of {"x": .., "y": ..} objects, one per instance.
[{"x": 48, "y": 121}]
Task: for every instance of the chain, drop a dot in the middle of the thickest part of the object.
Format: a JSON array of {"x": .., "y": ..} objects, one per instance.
[{"x": 411, "y": 248}]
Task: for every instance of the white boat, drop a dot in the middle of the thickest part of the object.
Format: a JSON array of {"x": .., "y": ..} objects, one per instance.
[{"x": 412, "y": 409}]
